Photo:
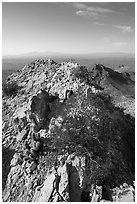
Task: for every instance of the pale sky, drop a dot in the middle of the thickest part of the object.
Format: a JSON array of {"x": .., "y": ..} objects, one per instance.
[{"x": 76, "y": 28}]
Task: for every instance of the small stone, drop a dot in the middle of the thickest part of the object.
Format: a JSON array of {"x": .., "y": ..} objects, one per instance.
[
  {"x": 43, "y": 133},
  {"x": 27, "y": 164},
  {"x": 4, "y": 126},
  {"x": 22, "y": 135},
  {"x": 26, "y": 145},
  {"x": 28, "y": 170},
  {"x": 38, "y": 145},
  {"x": 24, "y": 164},
  {"x": 16, "y": 160},
  {"x": 26, "y": 153},
  {"x": 125, "y": 185},
  {"x": 33, "y": 166}
]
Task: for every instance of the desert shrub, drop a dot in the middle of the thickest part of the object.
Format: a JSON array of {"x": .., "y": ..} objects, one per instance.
[
  {"x": 105, "y": 140},
  {"x": 81, "y": 72},
  {"x": 10, "y": 89}
]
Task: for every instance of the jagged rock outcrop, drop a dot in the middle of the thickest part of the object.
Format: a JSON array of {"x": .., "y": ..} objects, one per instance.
[
  {"x": 68, "y": 188},
  {"x": 120, "y": 86},
  {"x": 72, "y": 141}
]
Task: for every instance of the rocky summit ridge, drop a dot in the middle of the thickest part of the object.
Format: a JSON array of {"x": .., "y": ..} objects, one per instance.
[{"x": 68, "y": 134}]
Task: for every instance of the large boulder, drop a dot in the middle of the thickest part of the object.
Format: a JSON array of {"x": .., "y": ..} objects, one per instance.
[{"x": 40, "y": 108}]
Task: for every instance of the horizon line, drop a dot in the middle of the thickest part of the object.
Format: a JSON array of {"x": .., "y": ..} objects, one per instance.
[{"x": 33, "y": 53}]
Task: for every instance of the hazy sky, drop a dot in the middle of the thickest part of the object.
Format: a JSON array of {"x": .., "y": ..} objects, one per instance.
[{"x": 68, "y": 27}]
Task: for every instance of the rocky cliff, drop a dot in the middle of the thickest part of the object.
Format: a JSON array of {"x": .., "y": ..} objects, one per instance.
[{"x": 68, "y": 134}]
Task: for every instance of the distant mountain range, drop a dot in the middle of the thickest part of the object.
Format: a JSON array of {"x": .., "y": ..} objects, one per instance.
[{"x": 58, "y": 54}]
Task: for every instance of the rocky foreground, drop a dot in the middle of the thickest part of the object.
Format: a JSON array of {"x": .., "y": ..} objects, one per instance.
[{"x": 68, "y": 134}]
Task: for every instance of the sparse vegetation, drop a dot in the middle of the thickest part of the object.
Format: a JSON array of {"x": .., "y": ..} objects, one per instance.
[
  {"x": 10, "y": 89},
  {"x": 90, "y": 130}
]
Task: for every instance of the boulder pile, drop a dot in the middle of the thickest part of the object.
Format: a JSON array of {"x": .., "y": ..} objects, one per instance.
[{"x": 72, "y": 141}]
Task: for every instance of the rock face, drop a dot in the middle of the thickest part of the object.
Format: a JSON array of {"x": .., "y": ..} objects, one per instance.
[
  {"x": 40, "y": 109},
  {"x": 71, "y": 132}
]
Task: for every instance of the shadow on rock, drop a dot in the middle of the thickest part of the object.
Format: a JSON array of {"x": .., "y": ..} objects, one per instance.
[
  {"x": 7, "y": 155},
  {"x": 74, "y": 185}
]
